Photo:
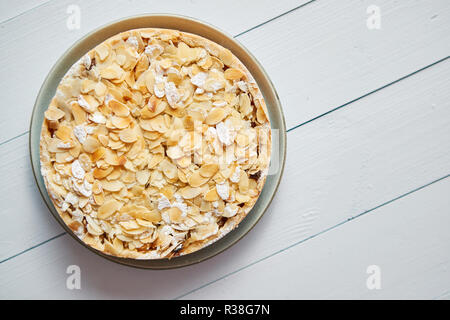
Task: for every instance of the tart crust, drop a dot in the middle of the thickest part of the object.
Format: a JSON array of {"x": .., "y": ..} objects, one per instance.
[{"x": 70, "y": 156}]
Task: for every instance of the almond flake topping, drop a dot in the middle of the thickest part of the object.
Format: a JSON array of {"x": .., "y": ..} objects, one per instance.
[
  {"x": 163, "y": 202},
  {"x": 223, "y": 190},
  {"x": 156, "y": 144},
  {"x": 199, "y": 79},
  {"x": 77, "y": 170},
  {"x": 97, "y": 117},
  {"x": 223, "y": 133},
  {"x": 80, "y": 133},
  {"x": 71, "y": 198}
]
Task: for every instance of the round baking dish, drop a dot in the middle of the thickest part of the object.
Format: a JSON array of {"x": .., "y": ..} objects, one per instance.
[{"x": 194, "y": 26}]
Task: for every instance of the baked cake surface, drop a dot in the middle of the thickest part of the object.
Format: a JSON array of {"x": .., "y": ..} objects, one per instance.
[{"x": 156, "y": 144}]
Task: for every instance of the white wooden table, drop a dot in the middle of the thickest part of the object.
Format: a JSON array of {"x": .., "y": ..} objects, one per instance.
[{"x": 366, "y": 190}]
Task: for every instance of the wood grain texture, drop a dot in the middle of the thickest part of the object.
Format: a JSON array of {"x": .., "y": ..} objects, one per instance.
[
  {"x": 22, "y": 52},
  {"x": 12, "y": 11},
  {"x": 337, "y": 167},
  {"x": 324, "y": 55},
  {"x": 340, "y": 165},
  {"x": 414, "y": 245}
]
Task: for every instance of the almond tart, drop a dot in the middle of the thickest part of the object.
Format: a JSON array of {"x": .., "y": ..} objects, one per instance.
[{"x": 156, "y": 144}]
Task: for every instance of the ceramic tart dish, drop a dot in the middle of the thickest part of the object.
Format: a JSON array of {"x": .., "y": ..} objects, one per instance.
[{"x": 150, "y": 141}]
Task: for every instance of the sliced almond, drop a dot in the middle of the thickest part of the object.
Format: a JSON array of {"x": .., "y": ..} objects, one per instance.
[
  {"x": 204, "y": 231},
  {"x": 53, "y": 113},
  {"x": 78, "y": 113},
  {"x": 215, "y": 116},
  {"x": 128, "y": 135},
  {"x": 112, "y": 186},
  {"x": 102, "y": 173},
  {"x": 108, "y": 209},
  {"x": 244, "y": 103},
  {"x": 100, "y": 89},
  {"x": 159, "y": 124},
  {"x": 182, "y": 176},
  {"x": 169, "y": 169},
  {"x": 208, "y": 170},
  {"x": 98, "y": 154},
  {"x": 115, "y": 145},
  {"x": 64, "y": 133},
  {"x": 175, "y": 152},
  {"x": 242, "y": 140},
  {"x": 233, "y": 74},
  {"x": 226, "y": 56},
  {"x": 154, "y": 107},
  {"x": 130, "y": 225},
  {"x": 115, "y": 174},
  {"x": 196, "y": 180},
  {"x": 91, "y": 144},
  {"x": 128, "y": 177},
  {"x": 155, "y": 160},
  {"x": 112, "y": 72},
  {"x": 211, "y": 195},
  {"x": 102, "y": 51},
  {"x": 120, "y": 122},
  {"x": 175, "y": 214},
  {"x": 119, "y": 109},
  {"x": 144, "y": 223},
  {"x": 113, "y": 159},
  {"x": 75, "y": 151},
  {"x": 142, "y": 176},
  {"x": 99, "y": 199},
  {"x": 189, "y": 192},
  {"x": 103, "y": 139},
  {"x": 88, "y": 103},
  {"x": 241, "y": 198},
  {"x": 63, "y": 157},
  {"x": 146, "y": 125},
  {"x": 97, "y": 187},
  {"x": 141, "y": 212},
  {"x": 184, "y": 162},
  {"x": 243, "y": 183}
]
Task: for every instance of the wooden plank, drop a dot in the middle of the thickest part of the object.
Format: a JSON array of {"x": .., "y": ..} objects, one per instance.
[
  {"x": 31, "y": 44},
  {"x": 8, "y": 11},
  {"x": 338, "y": 166},
  {"x": 27, "y": 220},
  {"x": 324, "y": 55},
  {"x": 328, "y": 55},
  {"x": 408, "y": 241}
]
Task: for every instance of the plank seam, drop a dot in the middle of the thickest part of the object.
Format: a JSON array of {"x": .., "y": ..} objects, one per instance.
[
  {"x": 33, "y": 247},
  {"x": 14, "y": 138},
  {"x": 369, "y": 93},
  {"x": 274, "y": 18},
  {"x": 314, "y": 236}
]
